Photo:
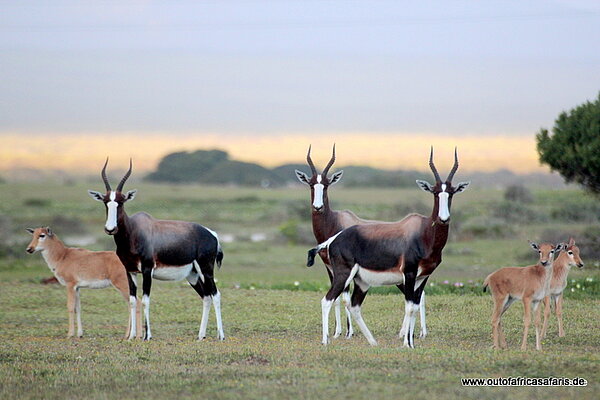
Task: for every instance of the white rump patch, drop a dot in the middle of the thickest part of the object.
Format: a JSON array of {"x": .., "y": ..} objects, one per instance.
[{"x": 172, "y": 273}]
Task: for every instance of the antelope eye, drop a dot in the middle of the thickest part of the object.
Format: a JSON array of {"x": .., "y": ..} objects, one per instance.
[
  {"x": 551, "y": 251},
  {"x": 42, "y": 236},
  {"x": 570, "y": 252}
]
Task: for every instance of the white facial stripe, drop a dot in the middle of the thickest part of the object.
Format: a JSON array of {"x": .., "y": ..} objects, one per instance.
[
  {"x": 318, "y": 200},
  {"x": 443, "y": 213},
  {"x": 111, "y": 219},
  {"x": 319, "y": 178}
]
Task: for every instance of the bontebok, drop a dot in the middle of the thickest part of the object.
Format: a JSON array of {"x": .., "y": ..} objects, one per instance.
[
  {"x": 163, "y": 250},
  {"x": 404, "y": 252}
]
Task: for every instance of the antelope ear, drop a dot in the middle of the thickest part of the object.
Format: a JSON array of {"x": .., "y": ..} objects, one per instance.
[
  {"x": 571, "y": 242},
  {"x": 130, "y": 195},
  {"x": 461, "y": 187},
  {"x": 49, "y": 231},
  {"x": 534, "y": 245},
  {"x": 559, "y": 247},
  {"x": 30, "y": 230},
  {"x": 335, "y": 178},
  {"x": 302, "y": 177},
  {"x": 96, "y": 195},
  {"x": 424, "y": 185}
]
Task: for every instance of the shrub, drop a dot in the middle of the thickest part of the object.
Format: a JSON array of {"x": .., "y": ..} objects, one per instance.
[
  {"x": 37, "y": 202},
  {"x": 515, "y": 212},
  {"x": 295, "y": 233},
  {"x": 485, "y": 228},
  {"x": 576, "y": 210},
  {"x": 518, "y": 193}
]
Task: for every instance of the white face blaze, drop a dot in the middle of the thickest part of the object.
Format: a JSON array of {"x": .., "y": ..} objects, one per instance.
[
  {"x": 111, "y": 218},
  {"x": 443, "y": 212},
  {"x": 318, "y": 199}
]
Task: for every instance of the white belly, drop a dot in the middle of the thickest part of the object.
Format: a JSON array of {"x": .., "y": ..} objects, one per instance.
[
  {"x": 94, "y": 284},
  {"x": 171, "y": 273},
  {"x": 373, "y": 278}
]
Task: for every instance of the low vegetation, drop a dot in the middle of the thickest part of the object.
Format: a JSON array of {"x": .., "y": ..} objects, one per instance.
[{"x": 271, "y": 304}]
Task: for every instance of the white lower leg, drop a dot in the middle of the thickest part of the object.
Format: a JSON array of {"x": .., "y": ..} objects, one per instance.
[
  {"x": 422, "y": 316},
  {"x": 347, "y": 302},
  {"x": 78, "y": 313},
  {"x": 408, "y": 314},
  {"x": 206, "y": 303},
  {"x": 355, "y": 311},
  {"x": 413, "y": 321},
  {"x": 338, "y": 318},
  {"x": 325, "y": 308},
  {"x": 217, "y": 306},
  {"x": 146, "y": 304},
  {"x": 132, "y": 317}
]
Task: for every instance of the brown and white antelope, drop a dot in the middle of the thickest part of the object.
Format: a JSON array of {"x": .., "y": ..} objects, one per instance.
[
  {"x": 79, "y": 268},
  {"x": 528, "y": 284},
  {"x": 568, "y": 258},
  {"x": 404, "y": 252},
  {"x": 164, "y": 250},
  {"x": 327, "y": 222}
]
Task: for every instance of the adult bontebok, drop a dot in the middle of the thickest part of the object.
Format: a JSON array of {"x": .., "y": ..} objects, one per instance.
[
  {"x": 529, "y": 284},
  {"x": 79, "y": 268},
  {"x": 407, "y": 252},
  {"x": 568, "y": 258},
  {"x": 327, "y": 222},
  {"x": 163, "y": 250}
]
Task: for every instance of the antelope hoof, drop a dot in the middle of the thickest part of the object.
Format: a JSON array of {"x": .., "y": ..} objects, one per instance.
[
  {"x": 349, "y": 335},
  {"x": 337, "y": 334},
  {"x": 201, "y": 338},
  {"x": 423, "y": 334}
]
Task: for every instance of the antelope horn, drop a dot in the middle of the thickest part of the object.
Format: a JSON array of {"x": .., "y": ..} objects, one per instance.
[
  {"x": 310, "y": 162},
  {"x": 326, "y": 170},
  {"x": 454, "y": 168},
  {"x": 104, "y": 178},
  {"x": 120, "y": 187},
  {"x": 432, "y": 166}
]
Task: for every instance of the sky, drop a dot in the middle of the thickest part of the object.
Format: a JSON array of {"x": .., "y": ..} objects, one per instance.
[{"x": 263, "y": 79}]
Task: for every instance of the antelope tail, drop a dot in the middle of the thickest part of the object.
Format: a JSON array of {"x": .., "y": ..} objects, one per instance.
[
  {"x": 486, "y": 283},
  {"x": 312, "y": 253}
]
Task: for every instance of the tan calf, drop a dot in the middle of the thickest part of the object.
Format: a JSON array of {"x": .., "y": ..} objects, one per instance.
[
  {"x": 79, "y": 268},
  {"x": 529, "y": 284},
  {"x": 562, "y": 265}
]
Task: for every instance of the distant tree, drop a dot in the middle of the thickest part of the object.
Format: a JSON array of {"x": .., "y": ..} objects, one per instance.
[
  {"x": 187, "y": 167},
  {"x": 573, "y": 148}
]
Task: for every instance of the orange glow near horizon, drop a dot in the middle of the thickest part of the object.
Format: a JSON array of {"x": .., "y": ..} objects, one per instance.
[{"x": 85, "y": 153}]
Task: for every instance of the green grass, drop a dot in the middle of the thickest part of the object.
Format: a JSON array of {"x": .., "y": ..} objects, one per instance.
[
  {"x": 273, "y": 348},
  {"x": 271, "y": 307}
]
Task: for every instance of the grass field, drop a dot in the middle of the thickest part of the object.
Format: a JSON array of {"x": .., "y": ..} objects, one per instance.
[{"x": 273, "y": 345}]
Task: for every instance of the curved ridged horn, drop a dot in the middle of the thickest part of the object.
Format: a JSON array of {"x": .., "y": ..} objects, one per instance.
[
  {"x": 310, "y": 162},
  {"x": 120, "y": 187},
  {"x": 104, "y": 178},
  {"x": 326, "y": 170},
  {"x": 454, "y": 168},
  {"x": 432, "y": 166}
]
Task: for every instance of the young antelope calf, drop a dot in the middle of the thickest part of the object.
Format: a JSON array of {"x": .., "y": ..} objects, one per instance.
[
  {"x": 529, "y": 284},
  {"x": 79, "y": 268},
  {"x": 562, "y": 265}
]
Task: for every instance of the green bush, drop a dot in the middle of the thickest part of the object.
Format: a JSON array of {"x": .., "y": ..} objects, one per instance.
[
  {"x": 485, "y": 228},
  {"x": 517, "y": 212}
]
